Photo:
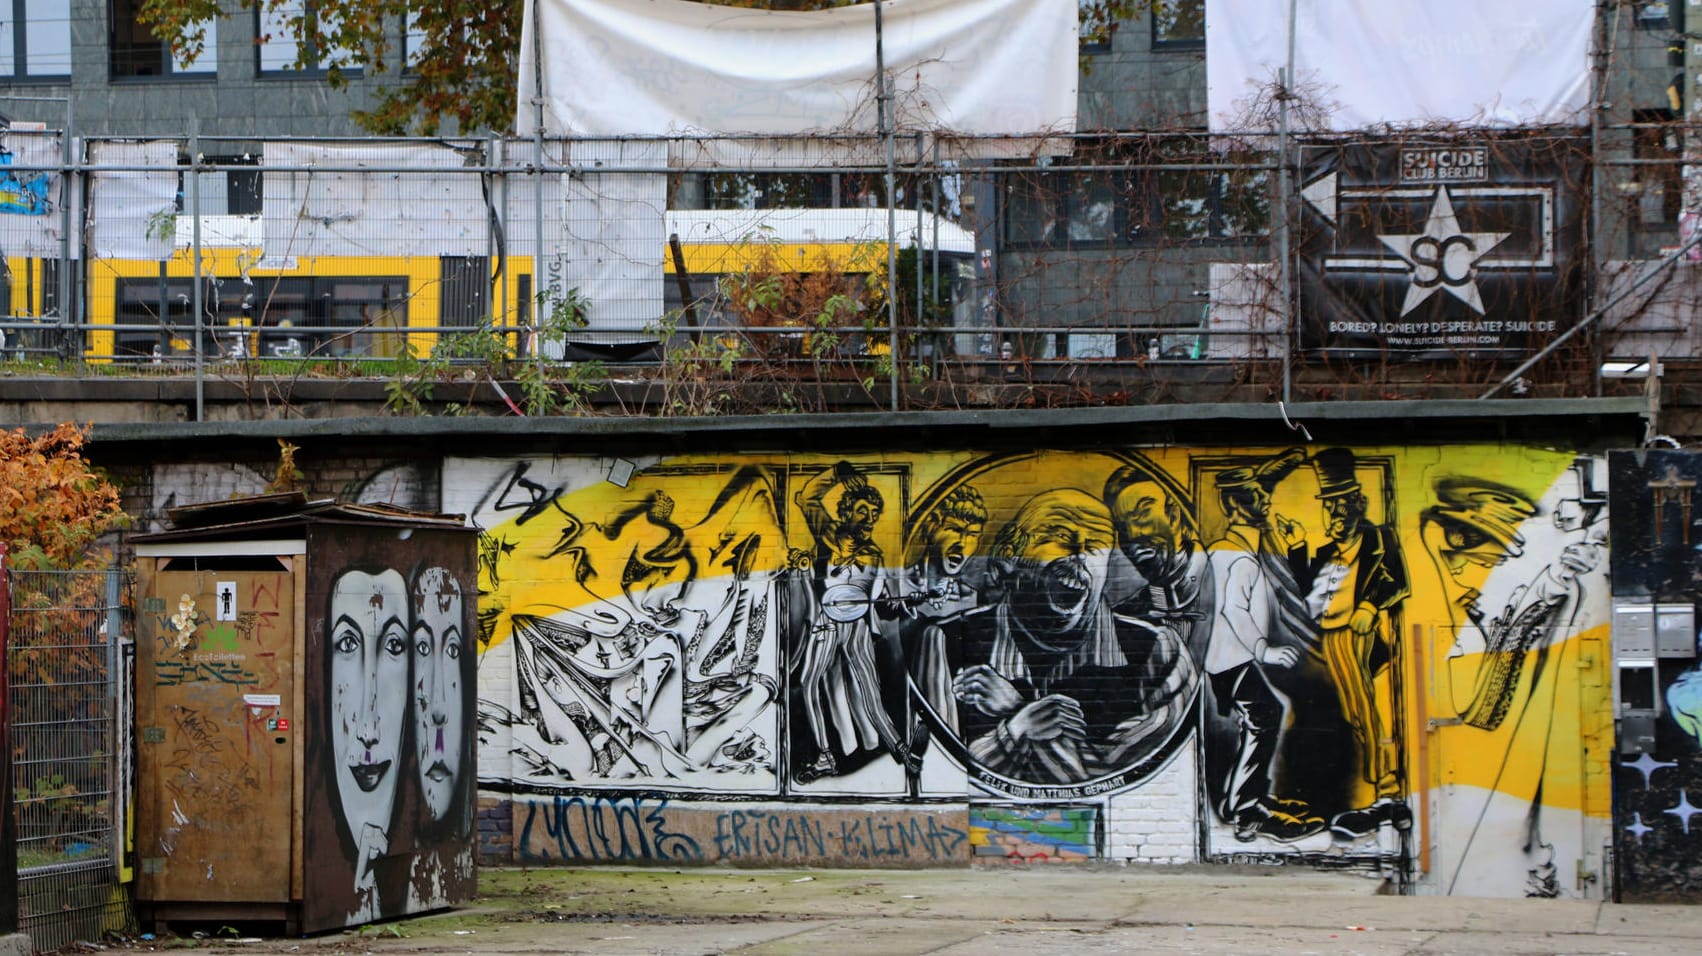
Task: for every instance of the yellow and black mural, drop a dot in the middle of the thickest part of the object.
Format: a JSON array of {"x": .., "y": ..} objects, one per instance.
[{"x": 1381, "y": 656}]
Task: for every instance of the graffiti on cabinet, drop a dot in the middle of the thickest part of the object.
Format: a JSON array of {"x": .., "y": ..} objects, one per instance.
[
  {"x": 1657, "y": 786},
  {"x": 397, "y": 707}
]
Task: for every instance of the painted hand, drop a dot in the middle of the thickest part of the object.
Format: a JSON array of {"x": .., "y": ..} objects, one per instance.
[
  {"x": 1362, "y": 621},
  {"x": 1284, "y": 657},
  {"x": 986, "y": 690},
  {"x": 373, "y": 843},
  {"x": 1049, "y": 718}
]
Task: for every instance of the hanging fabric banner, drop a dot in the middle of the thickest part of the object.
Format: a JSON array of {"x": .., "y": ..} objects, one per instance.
[
  {"x": 1372, "y": 63},
  {"x": 993, "y": 68}
]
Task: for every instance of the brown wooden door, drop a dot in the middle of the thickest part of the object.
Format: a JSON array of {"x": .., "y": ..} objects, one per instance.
[{"x": 215, "y": 712}]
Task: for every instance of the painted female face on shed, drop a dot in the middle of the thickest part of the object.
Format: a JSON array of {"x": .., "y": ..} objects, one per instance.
[
  {"x": 368, "y": 645},
  {"x": 438, "y": 645}
]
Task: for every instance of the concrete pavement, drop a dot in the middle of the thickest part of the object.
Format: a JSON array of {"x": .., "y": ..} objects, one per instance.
[{"x": 1039, "y": 910}]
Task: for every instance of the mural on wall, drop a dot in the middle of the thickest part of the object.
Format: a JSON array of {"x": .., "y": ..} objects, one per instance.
[
  {"x": 639, "y": 628},
  {"x": 1657, "y": 786},
  {"x": 1054, "y": 627},
  {"x": 1525, "y": 577},
  {"x": 398, "y": 709}
]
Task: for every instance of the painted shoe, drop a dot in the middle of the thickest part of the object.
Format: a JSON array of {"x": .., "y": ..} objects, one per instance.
[{"x": 1281, "y": 825}]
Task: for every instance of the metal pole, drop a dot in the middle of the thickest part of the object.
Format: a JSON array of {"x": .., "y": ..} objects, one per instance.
[
  {"x": 67, "y": 318},
  {"x": 1285, "y": 188},
  {"x": 8, "y": 828},
  {"x": 193, "y": 191},
  {"x": 538, "y": 189},
  {"x": 883, "y": 102},
  {"x": 113, "y": 627}
]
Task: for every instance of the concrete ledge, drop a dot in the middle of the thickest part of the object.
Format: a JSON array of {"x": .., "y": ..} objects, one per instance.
[{"x": 16, "y": 944}]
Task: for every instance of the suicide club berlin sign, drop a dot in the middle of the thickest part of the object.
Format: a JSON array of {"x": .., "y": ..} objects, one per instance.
[{"x": 1438, "y": 249}]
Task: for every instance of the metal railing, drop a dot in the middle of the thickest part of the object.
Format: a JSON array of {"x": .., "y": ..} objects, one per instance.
[{"x": 1143, "y": 252}]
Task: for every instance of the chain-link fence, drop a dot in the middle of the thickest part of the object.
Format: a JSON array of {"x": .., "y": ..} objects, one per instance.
[
  {"x": 708, "y": 265},
  {"x": 69, "y": 721}
]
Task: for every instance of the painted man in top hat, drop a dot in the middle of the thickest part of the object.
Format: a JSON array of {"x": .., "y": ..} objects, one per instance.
[
  {"x": 1260, "y": 623},
  {"x": 1358, "y": 582}
]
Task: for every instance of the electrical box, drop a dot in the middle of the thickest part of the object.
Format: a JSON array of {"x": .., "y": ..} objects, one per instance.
[
  {"x": 1633, "y": 631},
  {"x": 1675, "y": 631},
  {"x": 1637, "y": 704},
  {"x": 305, "y": 713}
]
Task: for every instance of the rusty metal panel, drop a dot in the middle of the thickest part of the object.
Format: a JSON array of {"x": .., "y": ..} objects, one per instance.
[
  {"x": 390, "y": 671},
  {"x": 216, "y": 724}
]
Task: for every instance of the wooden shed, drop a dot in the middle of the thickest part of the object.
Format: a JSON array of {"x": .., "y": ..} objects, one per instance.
[{"x": 305, "y": 682}]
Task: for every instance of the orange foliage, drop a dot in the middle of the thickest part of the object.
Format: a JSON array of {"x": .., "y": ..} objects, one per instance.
[{"x": 53, "y": 504}]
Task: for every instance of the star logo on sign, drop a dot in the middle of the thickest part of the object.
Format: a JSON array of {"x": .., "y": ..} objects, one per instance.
[{"x": 1442, "y": 256}]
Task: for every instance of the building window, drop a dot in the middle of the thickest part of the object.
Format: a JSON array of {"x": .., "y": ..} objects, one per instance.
[
  {"x": 136, "y": 52},
  {"x": 1145, "y": 195},
  {"x": 1179, "y": 24},
  {"x": 1096, "y": 27},
  {"x": 414, "y": 40},
  {"x": 280, "y": 53},
  {"x": 35, "y": 39}
]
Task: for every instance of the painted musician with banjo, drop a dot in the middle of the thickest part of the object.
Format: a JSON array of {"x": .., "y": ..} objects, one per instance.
[{"x": 838, "y": 681}]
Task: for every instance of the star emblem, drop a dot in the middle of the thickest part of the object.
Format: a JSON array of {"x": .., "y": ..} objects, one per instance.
[
  {"x": 1685, "y": 809},
  {"x": 1443, "y": 257},
  {"x": 1646, "y": 765},
  {"x": 1638, "y": 828}
]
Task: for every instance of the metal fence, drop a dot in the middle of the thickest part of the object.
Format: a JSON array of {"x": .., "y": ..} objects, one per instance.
[
  {"x": 1170, "y": 253},
  {"x": 69, "y": 719}
]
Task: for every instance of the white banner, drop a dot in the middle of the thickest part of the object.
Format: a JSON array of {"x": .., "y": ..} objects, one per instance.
[
  {"x": 133, "y": 213},
  {"x": 356, "y": 201},
  {"x": 669, "y": 67},
  {"x": 603, "y": 233},
  {"x": 1373, "y": 63}
]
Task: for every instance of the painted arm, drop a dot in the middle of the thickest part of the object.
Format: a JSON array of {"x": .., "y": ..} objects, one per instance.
[
  {"x": 812, "y": 498},
  {"x": 1245, "y": 613}
]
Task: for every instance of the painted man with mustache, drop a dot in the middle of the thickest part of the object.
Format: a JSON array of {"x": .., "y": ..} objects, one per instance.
[{"x": 1049, "y": 685}]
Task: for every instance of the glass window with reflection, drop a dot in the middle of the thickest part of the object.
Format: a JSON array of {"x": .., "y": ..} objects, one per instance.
[
  {"x": 35, "y": 39},
  {"x": 136, "y": 52},
  {"x": 1178, "y": 24},
  {"x": 280, "y": 52}
]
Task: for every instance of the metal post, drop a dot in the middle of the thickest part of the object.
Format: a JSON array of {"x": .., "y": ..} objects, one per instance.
[
  {"x": 67, "y": 319},
  {"x": 114, "y": 630},
  {"x": 8, "y": 827},
  {"x": 1285, "y": 189},
  {"x": 192, "y": 192},
  {"x": 883, "y": 102},
  {"x": 538, "y": 190}
]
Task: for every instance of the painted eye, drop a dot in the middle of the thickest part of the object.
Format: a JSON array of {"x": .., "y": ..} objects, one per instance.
[
  {"x": 422, "y": 647},
  {"x": 346, "y": 642},
  {"x": 452, "y": 648},
  {"x": 394, "y": 645}
]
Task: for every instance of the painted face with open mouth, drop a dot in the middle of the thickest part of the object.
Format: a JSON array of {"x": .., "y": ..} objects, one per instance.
[
  {"x": 368, "y": 648},
  {"x": 1066, "y": 542},
  {"x": 438, "y": 711},
  {"x": 954, "y": 542}
]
